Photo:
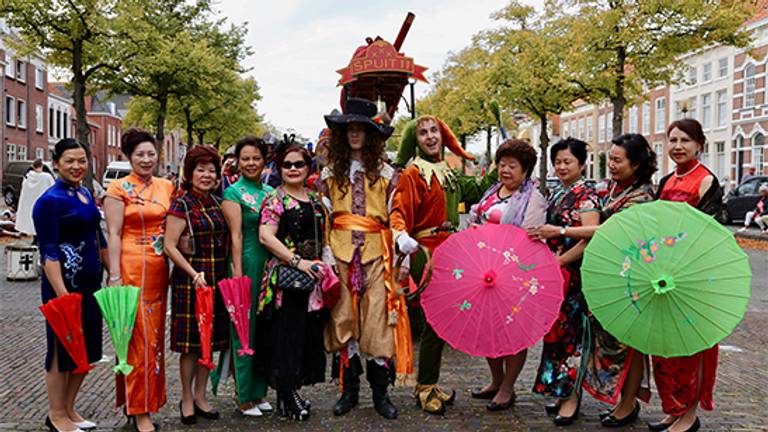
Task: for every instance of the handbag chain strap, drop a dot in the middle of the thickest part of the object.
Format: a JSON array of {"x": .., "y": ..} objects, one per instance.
[{"x": 186, "y": 213}]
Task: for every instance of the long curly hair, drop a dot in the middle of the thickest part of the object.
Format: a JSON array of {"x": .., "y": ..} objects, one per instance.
[{"x": 339, "y": 160}]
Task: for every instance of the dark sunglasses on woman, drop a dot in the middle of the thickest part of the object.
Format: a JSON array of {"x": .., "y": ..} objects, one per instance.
[{"x": 298, "y": 164}]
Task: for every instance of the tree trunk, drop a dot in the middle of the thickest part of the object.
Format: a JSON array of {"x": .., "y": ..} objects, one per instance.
[
  {"x": 488, "y": 147},
  {"x": 162, "y": 112},
  {"x": 619, "y": 99},
  {"x": 82, "y": 130},
  {"x": 189, "y": 124},
  {"x": 200, "y": 137},
  {"x": 543, "y": 146}
]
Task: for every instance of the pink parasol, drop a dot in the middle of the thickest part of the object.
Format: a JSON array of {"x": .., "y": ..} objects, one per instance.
[
  {"x": 236, "y": 293},
  {"x": 494, "y": 291},
  {"x": 204, "y": 314}
]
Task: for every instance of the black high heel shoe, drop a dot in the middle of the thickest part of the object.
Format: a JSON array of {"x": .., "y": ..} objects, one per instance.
[
  {"x": 567, "y": 421},
  {"x": 289, "y": 405},
  {"x": 208, "y": 415},
  {"x": 694, "y": 427},
  {"x": 190, "y": 419},
  {"x": 659, "y": 426},
  {"x": 613, "y": 422},
  {"x": 552, "y": 408}
]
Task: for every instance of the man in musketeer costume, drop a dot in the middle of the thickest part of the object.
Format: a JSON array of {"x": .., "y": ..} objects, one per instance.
[
  {"x": 369, "y": 318},
  {"x": 425, "y": 211}
]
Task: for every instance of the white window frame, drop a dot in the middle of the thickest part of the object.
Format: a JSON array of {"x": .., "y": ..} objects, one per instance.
[
  {"x": 658, "y": 148},
  {"x": 750, "y": 85},
  {"x": 609, "y": 126},
  {"x": 722, "y": 108},
  {"x": 10, "y": 112},
  {"x": 39, "y": 153},
  {"x": 21, "y": 113},
  {"x": 706, "y": 72},
  {"x": 590, "y": 128},
  {"x": 10, "y": 65},
  {"x": 633, "y": 119},
  {"x": 601, "y": 128},
  {"x": 693, "y": 108},
  {"x": 758, "y": 153},
  {"x": 10, "y": 152},
  {"x": 39, "y": 78},
  {"x": 39, "y": 119},
  {"x": 720, "y": 160},
  {"x": 22, "y": 150},
  {"x": 646, "y": 118},
  {"x": 661, "y": 114},
  {"x": 21, "y": 71},
  {"x": 706, "y": 111},
  {"x": 693, "y": 73},
  {"x": 581, "y": 128},
  {"x": 722, "y": 67}
]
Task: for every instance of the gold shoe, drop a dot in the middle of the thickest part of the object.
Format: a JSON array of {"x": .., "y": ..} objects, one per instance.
[
  {"x": 428, "y": 400},
  {"x": 446, "y": 398}
]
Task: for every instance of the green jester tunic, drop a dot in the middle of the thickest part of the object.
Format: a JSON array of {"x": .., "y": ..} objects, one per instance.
[{"x": 251, "y": 384}]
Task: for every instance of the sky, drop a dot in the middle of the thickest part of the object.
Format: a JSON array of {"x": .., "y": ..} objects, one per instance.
[{"x": 298, "y": 45}]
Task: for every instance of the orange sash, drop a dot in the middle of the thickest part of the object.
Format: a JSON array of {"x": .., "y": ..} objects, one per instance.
[{"x": 396, "y": 307}]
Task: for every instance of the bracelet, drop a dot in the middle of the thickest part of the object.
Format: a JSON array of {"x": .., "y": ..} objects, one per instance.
[
  {"x": 115, "y": 278},
  {"x": 294, "y": 262}
]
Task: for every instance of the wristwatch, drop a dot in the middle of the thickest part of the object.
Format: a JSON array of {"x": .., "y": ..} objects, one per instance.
[{"x": 562, "y": 232}]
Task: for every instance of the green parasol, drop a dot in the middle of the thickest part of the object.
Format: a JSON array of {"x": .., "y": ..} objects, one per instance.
[
  {"x": 666, "y": 279},
  {"x": 118, "y": 305}
]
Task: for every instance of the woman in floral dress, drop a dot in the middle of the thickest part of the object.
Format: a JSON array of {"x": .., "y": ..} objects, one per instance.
[{"x": 567, "y": 345}]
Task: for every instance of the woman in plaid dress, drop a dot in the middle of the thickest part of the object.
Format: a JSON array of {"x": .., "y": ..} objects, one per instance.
[{"x": 205, "y": 267}]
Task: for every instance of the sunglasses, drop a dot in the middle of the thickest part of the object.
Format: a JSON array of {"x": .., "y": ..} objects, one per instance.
[{"x": 298, "y": 164}]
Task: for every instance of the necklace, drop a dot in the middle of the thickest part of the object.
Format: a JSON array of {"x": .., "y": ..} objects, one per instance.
[{"x": 689, "y": 171}]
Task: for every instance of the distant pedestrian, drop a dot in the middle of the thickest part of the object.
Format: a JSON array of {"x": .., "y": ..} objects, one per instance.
[
  {"x": 749, "y": 175},
  {"x": 760, "y": 212},
  {"x": 36, "y": 182}
]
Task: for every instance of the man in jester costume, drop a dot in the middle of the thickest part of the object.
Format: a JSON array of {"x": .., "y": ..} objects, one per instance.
[
  {"x": 425, "y": 211},
  {"x": 369, "y": 317}
]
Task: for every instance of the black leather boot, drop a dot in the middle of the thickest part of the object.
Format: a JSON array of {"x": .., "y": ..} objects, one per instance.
[
  {"x": 379, "y": 378},
  {"x": 350, "y": 394}
]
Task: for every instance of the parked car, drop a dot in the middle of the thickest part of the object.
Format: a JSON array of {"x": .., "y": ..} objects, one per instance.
[
  {"x": 115, "y": 170},
  {"x": 13, "y": 176},
  {"x": 741, "y": 199}
]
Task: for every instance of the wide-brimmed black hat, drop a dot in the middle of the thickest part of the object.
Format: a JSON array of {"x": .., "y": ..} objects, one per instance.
[{"x": 359, "y": 110}]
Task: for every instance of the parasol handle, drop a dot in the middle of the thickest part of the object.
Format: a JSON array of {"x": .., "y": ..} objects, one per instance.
[{"x": 426, "y": 276}]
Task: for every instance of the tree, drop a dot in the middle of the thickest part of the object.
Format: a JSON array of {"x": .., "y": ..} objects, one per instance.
[
  {"x": 527, "y": 68},
  {"x": 75, "y": 35},
  {"x": 621, "y": 47}
]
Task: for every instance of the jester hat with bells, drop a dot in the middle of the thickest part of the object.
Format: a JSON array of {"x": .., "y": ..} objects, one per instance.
[{"x": 409, "y": 146}]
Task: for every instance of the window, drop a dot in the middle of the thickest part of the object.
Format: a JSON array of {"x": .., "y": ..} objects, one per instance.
[
  {"x": 65, "y": 126},
  {"x": 573, "y": 128},
  {"x": 720, "y": 159},
  {"x": 10, "y": 152},
  {"x": 39, "y": 78},
  {"x": 722, "y": 107},
  {"x": 10, "y": 112},
  {"x": 21, "y": 71},
  {"x": 9, "y": 69},
  {"x": 704, "y": 157},
  {"x": 758, "y": 153},
  {"x": 51, "y": 122},
  {"x": 609, "y": 125},
  {"x": 58, "y": 124},
  {"x": 39, "y": 154},
  {"x": 646, "y": 118},
  {"x": 692, "y": 73},
  {"x": 693, "y": 109},
  {"x": 22, "y": 152},
  {"x": 706, "y": 110},
  {"x": 679, "y": 110},
  {"x": 22, "y": 114},
  {"x": 565, "y": 130},
  {"x": 661, "y": 114},
  {"x": 749, "y": 86},
  {"x": 633, "y": 119},
  {"x": 581, "y": 128},
  {"x": 39, "y": 118},
  {"x": 601, "y": 128},
  {"x": 722, "y": 67},
  {"x": 589, "y": 128},
  {"x": 706, "y": 72}
]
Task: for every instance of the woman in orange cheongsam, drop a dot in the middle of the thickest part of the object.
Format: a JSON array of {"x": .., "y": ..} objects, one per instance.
[{"x": 135, "y": 208}]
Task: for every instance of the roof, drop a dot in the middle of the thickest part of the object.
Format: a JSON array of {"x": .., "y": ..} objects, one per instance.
[
  {"x": 762, "y": 12},
  {"x": 116, "y": 105},
  {"x": 59, "y": 89}
]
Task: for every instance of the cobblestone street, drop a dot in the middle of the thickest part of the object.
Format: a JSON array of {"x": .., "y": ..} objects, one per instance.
[{"x": 741, "y": 394}]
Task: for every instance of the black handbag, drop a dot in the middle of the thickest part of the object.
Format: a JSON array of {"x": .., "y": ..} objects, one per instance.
[{"x": 291, "y": 278}]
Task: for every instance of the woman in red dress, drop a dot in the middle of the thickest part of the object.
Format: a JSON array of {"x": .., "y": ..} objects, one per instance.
[{"x": 685, "y": 382}]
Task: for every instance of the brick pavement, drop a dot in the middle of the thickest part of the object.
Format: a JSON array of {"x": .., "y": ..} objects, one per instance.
[{"x": 741, "y": 393}]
